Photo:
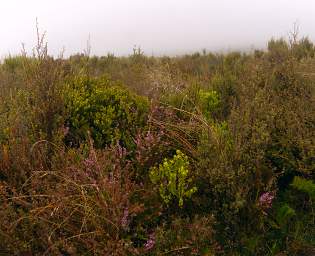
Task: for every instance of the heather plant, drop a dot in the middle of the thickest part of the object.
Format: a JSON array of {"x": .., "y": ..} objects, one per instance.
[
  {"x": 185, "y": 99},
  {"x": 43, "y": 78},
  {"x": 278, "y": 50},
  {"x": 265, "y": 200},
  {"x": 186, "y": 236},
  {"x": 303, "y": 49},
  {"x": 225, "y": 87},
  {"x": 194, "y": 99},
  {"x": 86, "y": 200},
  {"x": 151, "y": 148}
]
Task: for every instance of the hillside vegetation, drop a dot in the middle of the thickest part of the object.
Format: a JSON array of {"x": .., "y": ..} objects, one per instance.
[{"x": 201, "y": 154}]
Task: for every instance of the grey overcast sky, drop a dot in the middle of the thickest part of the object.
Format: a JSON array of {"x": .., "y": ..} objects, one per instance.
[{"x": 158, "y": 26}]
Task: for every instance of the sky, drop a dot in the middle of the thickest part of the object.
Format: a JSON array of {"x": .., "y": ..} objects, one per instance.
[{"x": 159, "y": 27}]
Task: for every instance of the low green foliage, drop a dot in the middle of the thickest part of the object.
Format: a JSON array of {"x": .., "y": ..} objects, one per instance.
[
  {"x": 284, "y": 213},
  {"x": 304, "y": 185}
]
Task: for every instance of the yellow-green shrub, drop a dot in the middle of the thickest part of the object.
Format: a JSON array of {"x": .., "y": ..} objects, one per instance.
[
  {"x": 172, "y": 178},
  {"x": 108, "y": 111}
]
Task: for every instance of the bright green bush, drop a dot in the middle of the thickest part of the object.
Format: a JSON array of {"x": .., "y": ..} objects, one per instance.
[
  {"x": 172, "y": 178},
  {"x": 209, "y": 101},
  {"x": 108, "y": 111}
]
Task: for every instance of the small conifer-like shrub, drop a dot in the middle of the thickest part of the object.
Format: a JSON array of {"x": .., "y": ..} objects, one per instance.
[
  {"x": 172, "y": 178},
  {"x": 109, "y": 112}
]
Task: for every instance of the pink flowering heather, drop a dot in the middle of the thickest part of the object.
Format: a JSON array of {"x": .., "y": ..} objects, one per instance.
[
  {"x": 125, "y": 219},
  {"x": 150, "y": 242},
  {"x": 89, "y": 163},
  {"x": 120, "y": 151},
  {"x": 65, "y": 130},
  {"x": 147, "y": 144},
  {"x": 265, "y": 200}
]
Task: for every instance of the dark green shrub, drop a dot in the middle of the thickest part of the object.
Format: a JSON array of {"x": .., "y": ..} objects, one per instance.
[
  {"x": 277, "y": 50},
  {"x": 108, "y": 111},
  {"x": 303, "y": 48},
  {"x": 225, "y": 86}
]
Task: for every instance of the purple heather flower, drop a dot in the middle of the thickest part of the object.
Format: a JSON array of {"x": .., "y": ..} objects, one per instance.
[
  {"x": 65, "y": 130},
  {"x": 124, "y": 219},
  {"x": 265, "y": 200},
  {"x": 150, "y": 243},
  {"x": 88, "y": 162},
  {"x": 149, "y": 138},
  {"x": 121, "y": 151}
]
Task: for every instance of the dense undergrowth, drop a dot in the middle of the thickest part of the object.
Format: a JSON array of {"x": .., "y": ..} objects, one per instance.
[{"x": 203, "y": 154}]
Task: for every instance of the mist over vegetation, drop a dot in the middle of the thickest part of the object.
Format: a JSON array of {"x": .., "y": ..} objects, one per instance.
[
  {"x": 159, "y": 27},
  {"x": 203, "y": 153}
]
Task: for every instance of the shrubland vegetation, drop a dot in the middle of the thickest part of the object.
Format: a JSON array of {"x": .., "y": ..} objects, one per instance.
[{"x": 202, "y": 154}]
